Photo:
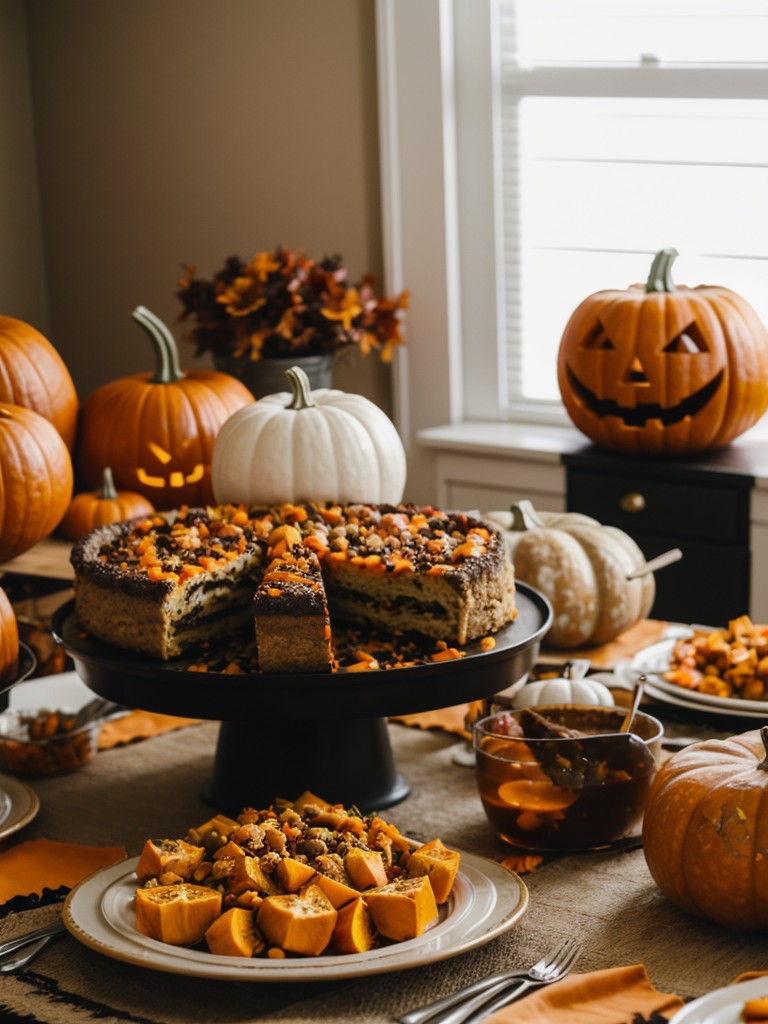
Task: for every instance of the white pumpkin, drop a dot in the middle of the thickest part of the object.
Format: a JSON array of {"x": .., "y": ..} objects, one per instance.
[
  {"x": 582, "y": 567},
  {"x": 564, "y": 691},
  {"x": 304, "y": 445}
]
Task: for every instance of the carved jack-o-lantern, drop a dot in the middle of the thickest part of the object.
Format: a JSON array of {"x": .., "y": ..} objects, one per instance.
[
  {"x": 157, "y": 431},
  {"x": 664, "y": 370}
]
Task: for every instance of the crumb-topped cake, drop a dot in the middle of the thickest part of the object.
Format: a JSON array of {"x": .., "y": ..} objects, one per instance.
[{"x": 167, "y": 582}]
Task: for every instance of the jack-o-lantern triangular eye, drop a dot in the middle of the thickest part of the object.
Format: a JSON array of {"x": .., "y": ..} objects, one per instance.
[
  {"x": 597, "y": 338},
  {"x": 689, "y": 341}
]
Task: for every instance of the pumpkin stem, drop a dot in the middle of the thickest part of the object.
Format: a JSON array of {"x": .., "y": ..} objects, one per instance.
[
  {"x": 108, "y": 490},
  {"x": 764, "y": 737},
  {"x": 301, "y": 388},
  {"x": 525, "y": 517},
  {"x": 166, "y": 352},
  {"x": 660, "y": 277}
]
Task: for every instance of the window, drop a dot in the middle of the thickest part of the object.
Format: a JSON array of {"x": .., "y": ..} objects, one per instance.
[{"x": 540, "y": 150}]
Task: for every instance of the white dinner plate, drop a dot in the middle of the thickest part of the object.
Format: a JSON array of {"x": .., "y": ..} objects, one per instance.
[
  {"x": 681, "y": 700},
  {"x": 18, "y": 805},
  {"x": 486, "y": 901},
  {"x": 64, "y": 689},
  {"x": 654, "y": 660},
  {"x": 723, "y": 1006}
]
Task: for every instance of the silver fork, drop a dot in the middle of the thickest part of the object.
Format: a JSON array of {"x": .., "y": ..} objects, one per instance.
[
  {"x": 16, "y": 961},
  {"x": 486, "y": 988},
  {"x": 11, "y": 945},
  {"x": 482, "y": 1005}
]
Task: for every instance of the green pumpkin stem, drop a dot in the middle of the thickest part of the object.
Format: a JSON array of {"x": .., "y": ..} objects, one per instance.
[
  {"x": 660, "y": 277},
  {"x": 764, "y": 737},
  {"x": 166, "y": 352},
  {"x": 108, "y": 490},
  {"x": 301, "y": 389}
]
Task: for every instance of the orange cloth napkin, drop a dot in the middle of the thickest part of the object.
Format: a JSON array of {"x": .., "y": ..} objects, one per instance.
[
  {"x": 39, "y": 864},
  {"x": 448, "y": 719},
  {"x": 139, "y": 725},
  {"x": 612, "y": 996}
]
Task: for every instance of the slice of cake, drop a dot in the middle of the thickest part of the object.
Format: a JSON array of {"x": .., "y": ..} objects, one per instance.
[{"x": 293, "y": 628}]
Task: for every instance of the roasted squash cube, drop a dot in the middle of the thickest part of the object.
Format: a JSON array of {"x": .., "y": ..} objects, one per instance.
[
  {"x": 298, "y": 923},
  {"x": 308, "y": 799},
  {"x": 439, "y": 864},
  {"x": 354, "y": 931},
  {"x": 337, "y": 892},
  {"x": 161, "y": 856},
  {"x": 402, "y": 909},
  {"x": 365, "y": 868},
  {"x": 234, "y": 933},
  {"x": 220, "y": 824},
  {"x": 246, "y": 874},
  {"x": 179, "y": 914},
  {"x": 292, "y": 874}
]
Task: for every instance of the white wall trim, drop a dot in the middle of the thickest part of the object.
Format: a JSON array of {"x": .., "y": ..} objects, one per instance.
[{"x": 419, "y": 206}]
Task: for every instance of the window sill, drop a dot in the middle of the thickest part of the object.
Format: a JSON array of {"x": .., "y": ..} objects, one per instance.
[{"x": 536, "y": 442}]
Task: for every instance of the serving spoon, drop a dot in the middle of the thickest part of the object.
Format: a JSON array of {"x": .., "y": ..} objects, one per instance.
[{"x": 637, "y": 695}]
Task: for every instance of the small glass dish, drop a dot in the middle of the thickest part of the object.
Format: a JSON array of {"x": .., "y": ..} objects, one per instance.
[
  {"x": 562, "y": 777},
  {"x": 45, "y": 743}
]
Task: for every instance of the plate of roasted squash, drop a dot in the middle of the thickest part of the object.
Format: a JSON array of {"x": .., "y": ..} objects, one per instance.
[
  {"x": 300, "y": 890},
  {"x": 723, "y": 669}
]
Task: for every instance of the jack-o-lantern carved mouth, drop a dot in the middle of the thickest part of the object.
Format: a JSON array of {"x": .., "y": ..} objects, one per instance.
[
  {"x": 638, "y": 415},
  {"x": 175, "y": 478}
]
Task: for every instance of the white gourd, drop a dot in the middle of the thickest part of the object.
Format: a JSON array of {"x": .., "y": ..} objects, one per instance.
[
  {"x": 564, "y": 691},
  {"x": 303, "y": 445},
  {"x": 582, "y": 567}
]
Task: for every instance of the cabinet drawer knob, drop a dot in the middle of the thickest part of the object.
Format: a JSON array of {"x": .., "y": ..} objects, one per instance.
[{"x": 632, "y": 502}]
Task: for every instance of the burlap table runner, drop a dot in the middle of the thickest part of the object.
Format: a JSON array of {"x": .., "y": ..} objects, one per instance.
[{"x": 153, "y": 788}]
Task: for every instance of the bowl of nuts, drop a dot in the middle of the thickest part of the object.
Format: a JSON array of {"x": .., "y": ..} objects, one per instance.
[{"x": 46, "y": 742}]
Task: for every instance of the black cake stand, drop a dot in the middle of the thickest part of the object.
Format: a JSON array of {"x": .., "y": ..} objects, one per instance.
[{"x": 281, "y": 734}]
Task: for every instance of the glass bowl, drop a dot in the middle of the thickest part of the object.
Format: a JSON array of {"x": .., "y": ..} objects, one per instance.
[
  {"x": 562, "y": 777},
  {"x": 45, "y": 743}
]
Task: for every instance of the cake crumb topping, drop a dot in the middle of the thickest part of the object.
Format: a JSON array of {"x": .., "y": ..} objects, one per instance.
[{"x": 390, "y": 539}]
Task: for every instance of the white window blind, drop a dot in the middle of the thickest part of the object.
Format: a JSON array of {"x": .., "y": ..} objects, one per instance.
[{"x": 625, "y": 128}]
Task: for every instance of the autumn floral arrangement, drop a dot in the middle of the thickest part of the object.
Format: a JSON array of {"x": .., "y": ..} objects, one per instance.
[{"x": 284, "y": 305}]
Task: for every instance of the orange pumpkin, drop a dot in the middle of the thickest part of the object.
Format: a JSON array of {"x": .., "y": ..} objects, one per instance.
[
  {"x": 9, "y": 640},
  {"x": 664, "y": 370},
  {"x": 705, "y": 830},
  {"x": 97, "y": 508},
  {"x": 35, "y": 479},
  {"x": 33, "y": 374},
  {"x": 157, "y": 430}
]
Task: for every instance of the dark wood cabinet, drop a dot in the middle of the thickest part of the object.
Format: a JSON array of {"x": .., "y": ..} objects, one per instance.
[{"x": 697, "y": 506}]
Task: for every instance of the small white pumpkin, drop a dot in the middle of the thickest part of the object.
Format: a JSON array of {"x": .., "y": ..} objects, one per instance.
[
  {"x": 563, "y": 691},
  {"x": 582, "y": 567},
  {"x": 304, "y": 445}
]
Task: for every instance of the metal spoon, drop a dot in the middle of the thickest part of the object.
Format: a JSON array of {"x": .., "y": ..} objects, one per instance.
[{"x": 637, "y": 695}]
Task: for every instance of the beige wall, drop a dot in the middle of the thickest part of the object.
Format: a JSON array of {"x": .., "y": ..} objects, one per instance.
[
  {"x": 175, "y": 131},
  {"x": 22, "y": 275}
]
